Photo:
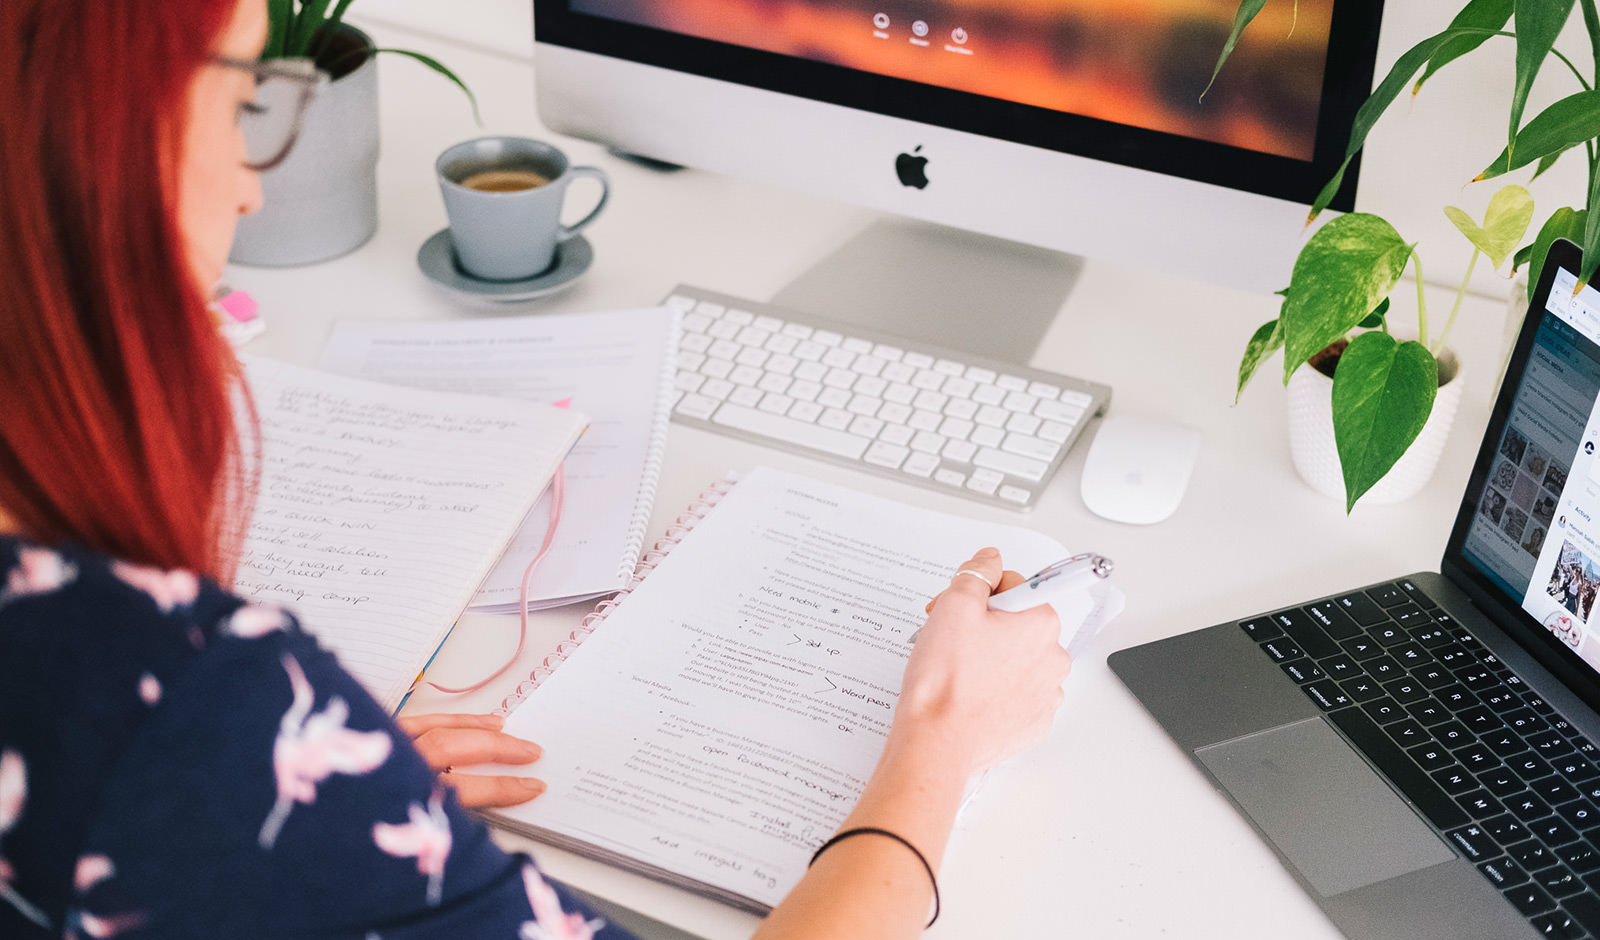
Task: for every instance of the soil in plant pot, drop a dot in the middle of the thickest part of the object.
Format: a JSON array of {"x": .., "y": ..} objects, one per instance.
[{"x": 1327, "y": 361}]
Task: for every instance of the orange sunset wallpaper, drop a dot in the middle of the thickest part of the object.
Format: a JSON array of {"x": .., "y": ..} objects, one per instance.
[{"x": 1137, "y": 62}]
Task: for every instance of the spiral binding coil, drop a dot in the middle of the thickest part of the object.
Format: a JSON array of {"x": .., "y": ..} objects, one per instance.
[
  {"x": 654, "y": 453},
  {"x": 680, "y": 527}
]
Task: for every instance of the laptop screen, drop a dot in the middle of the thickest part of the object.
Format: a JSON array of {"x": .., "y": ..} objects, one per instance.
[{"x": 1532, "y": 517}]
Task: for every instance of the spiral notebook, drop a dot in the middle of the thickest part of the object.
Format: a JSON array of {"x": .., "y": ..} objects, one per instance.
[
  {"x": 711, "y": 726},
  {"x": 616, "y": 367}
]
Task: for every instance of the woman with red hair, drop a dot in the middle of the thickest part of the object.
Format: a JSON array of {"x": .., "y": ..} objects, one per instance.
[{"x": 175, "y": 761}]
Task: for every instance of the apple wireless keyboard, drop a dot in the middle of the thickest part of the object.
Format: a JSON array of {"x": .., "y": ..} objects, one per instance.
[{"x": 955, "y": 422}]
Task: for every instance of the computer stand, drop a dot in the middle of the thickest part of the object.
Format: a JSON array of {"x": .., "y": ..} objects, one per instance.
[{"x": 945, "y": 286}]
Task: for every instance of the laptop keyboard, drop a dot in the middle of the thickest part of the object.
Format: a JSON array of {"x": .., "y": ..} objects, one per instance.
[{"x": 1512, "y": 785}]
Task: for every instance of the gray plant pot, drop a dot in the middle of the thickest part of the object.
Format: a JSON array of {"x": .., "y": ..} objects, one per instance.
[{"x": 322, "y": 201}]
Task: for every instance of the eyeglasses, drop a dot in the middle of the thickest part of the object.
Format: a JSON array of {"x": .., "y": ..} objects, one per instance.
[{"x": 271, "y": 122}]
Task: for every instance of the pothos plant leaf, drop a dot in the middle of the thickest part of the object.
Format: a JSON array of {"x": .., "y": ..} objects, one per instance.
[
  {"x": 1374, "y": 319},
  {"x": 1380, "y": 99},
  {"x": 1573, "y": 120},
  {"x": 1487, "y": 15},
  {"x": 1268, "y": 339},
  {"x": 1241, "y": 18},
  {"x": 1345, "y": 269},
  {"x": 1538, "y": 24},
  {"x": 1383, "y": 392},
  {"x": 1504, "y": 223},
  {"x": 1563, "y": 223}
]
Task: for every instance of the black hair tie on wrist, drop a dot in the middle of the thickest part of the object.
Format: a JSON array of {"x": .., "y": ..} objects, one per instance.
[{"x": 873, "y": 830}]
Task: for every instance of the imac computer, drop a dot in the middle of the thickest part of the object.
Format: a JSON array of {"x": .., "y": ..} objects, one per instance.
[{"x": 1027, "y": 131}]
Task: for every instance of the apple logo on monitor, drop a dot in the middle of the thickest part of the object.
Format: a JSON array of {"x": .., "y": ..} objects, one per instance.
[{"x": 912, "y": 168}]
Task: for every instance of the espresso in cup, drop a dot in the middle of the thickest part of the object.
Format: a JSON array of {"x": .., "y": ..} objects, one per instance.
[
  {"x": 503, "y": 197},
  {"x": 504, "y": 181}
]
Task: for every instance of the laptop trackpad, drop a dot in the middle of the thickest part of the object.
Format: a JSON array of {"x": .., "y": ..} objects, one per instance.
[{"x": 1323, "y": 807}]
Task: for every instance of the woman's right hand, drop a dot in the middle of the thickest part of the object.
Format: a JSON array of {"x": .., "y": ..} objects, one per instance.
[{"x": 982, "y": 684}]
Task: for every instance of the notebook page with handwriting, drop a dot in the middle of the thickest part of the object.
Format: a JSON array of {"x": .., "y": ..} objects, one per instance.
[
  {"x": 616, "y": 367},
  {"x": 380, "y": 509},
  {"x": 723, "y": 719}
]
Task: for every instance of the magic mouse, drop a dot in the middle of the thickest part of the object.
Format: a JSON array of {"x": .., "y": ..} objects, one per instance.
[{"x": 1137, "y": 469}]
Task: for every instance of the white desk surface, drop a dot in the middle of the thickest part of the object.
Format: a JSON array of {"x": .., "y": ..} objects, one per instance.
[{"x": 1104, "y": 829}]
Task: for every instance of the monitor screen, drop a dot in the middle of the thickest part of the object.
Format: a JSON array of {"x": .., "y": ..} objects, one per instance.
[
  {"x": 1082, "y": 127},
  {"x": 1530, "y": 531},
  {"x": 1139, "y": 63}
]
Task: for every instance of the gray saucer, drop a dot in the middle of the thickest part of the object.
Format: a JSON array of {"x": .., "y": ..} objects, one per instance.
[{"x": 437, "y": 258}]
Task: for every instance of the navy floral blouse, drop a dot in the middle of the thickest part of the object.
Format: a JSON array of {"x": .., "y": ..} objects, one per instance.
[{"x": 176, "y": 762}]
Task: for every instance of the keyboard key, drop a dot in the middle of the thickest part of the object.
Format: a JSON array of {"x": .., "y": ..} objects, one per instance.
[
  {"x": 1384, "y": 710},
  {"x": 1581, "y": 857},
  {"x": 1383, "y": 668},
  {"x": 1024, "y": 467},
  {"x": 1299, "y": 626},
  {"x": 1327, "y": 695},
  {"x": 1503, "y": 872},
  {"x": 1339, "y": 666},
  {"x": 1579, "y": 814},
  {"x": 1362, "y": 609},
  {"x": 1260, "y": 628},
  {"x": 1531, "y": 855},
  {"x": 1557, "y": 925},
  {"x": 1416, "y": 595},
  {"x": 1480, "y": 803},
  {"x": 1585, "y": 909},
  {"x": 1333, "y": 620},
  {"x": 1362, "y": 648},
  {"x": 1473, "y": 842},
  {"x": 1302, "y": 671},
  {"x": 1527, "y": 807},
  {"x": 1530, "y": 899},
  {"x": 1388, "y": 595},
  {"x": 1501, "y": 781},
  {"x": 1406, "y": 691},
  {"x": 804, "y": 433},
  {"x": 1394, "y": 763},
  {"x": 1558, "y": 881},
  {"x": 1553, "y": 832},
  {"x": 1454, "y": 780},
  {"x": 1505, "y": 829},
  {"x": 1410, "y": 615}
]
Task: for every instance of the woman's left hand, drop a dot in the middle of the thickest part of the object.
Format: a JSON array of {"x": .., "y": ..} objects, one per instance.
[{"x": 448, "y": 741}]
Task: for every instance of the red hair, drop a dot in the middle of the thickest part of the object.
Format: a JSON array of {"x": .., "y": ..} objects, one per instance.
[{"x": 117, "y": 425}]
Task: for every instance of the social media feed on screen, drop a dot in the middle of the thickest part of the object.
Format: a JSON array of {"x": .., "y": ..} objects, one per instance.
[{"x": 1543, "y": 493}]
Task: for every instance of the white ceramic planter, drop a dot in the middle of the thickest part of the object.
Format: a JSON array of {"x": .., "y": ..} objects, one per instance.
[
  {"x": 322, "y": 201},
  {"x": 1316, "y": 455}
]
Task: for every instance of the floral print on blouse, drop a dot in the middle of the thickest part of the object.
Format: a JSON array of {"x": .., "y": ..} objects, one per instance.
[{"x": 177, "y": 762}]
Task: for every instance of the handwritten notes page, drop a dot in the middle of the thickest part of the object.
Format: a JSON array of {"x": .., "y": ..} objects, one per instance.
[
  {"x": 382, "y": 508},
  {"x": 724, "y": 718},
  {"x": 616, "y": 367}
]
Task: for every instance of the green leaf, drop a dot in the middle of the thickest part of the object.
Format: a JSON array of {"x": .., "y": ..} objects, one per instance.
[
  {"x": 1241, "y": 18},
  {"x": 1563, "y": 223},
  {"x": 1539, "y": 22},
  {"x": 1383, "y": 96},
  {"x": 280, "y": 21},
  {"x": 1342, "y": 273},
  {"x": 1482, "y": 14},
  {"x": 1546, "y": 162},
  {"x": 1375, "y": 318},
  {"x": 1565, "y": 124},
  {"x": 1267, "y": 339},
  {"x": 1383, "y": 392},
  {"x": 439, "y": 67},
  {"x": 1591, "y": 231},
  {"x": 1504, "y": 223}
]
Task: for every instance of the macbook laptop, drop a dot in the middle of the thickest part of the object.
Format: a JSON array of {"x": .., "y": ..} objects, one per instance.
[{"x": 1422, "y": 753}]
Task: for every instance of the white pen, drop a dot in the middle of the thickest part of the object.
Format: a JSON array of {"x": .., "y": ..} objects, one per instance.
[{"x": 1054, "y": 580}]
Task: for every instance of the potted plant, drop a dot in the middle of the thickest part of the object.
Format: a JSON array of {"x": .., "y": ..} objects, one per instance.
[
  {"x": 1376, "y": 397},
  {"x": 1343, "y": 276},
  {"x": 320, "y": 197}
]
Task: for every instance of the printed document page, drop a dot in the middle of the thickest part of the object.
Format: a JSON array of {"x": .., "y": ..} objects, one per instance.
[
  {"x": 380, "y": 509},
  {"x": 615, "y": 367},
  {"x": 723, "y": 719}
]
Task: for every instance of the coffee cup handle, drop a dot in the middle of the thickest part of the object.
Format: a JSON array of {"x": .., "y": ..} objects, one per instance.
[{"x": 567, "y": 231}]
